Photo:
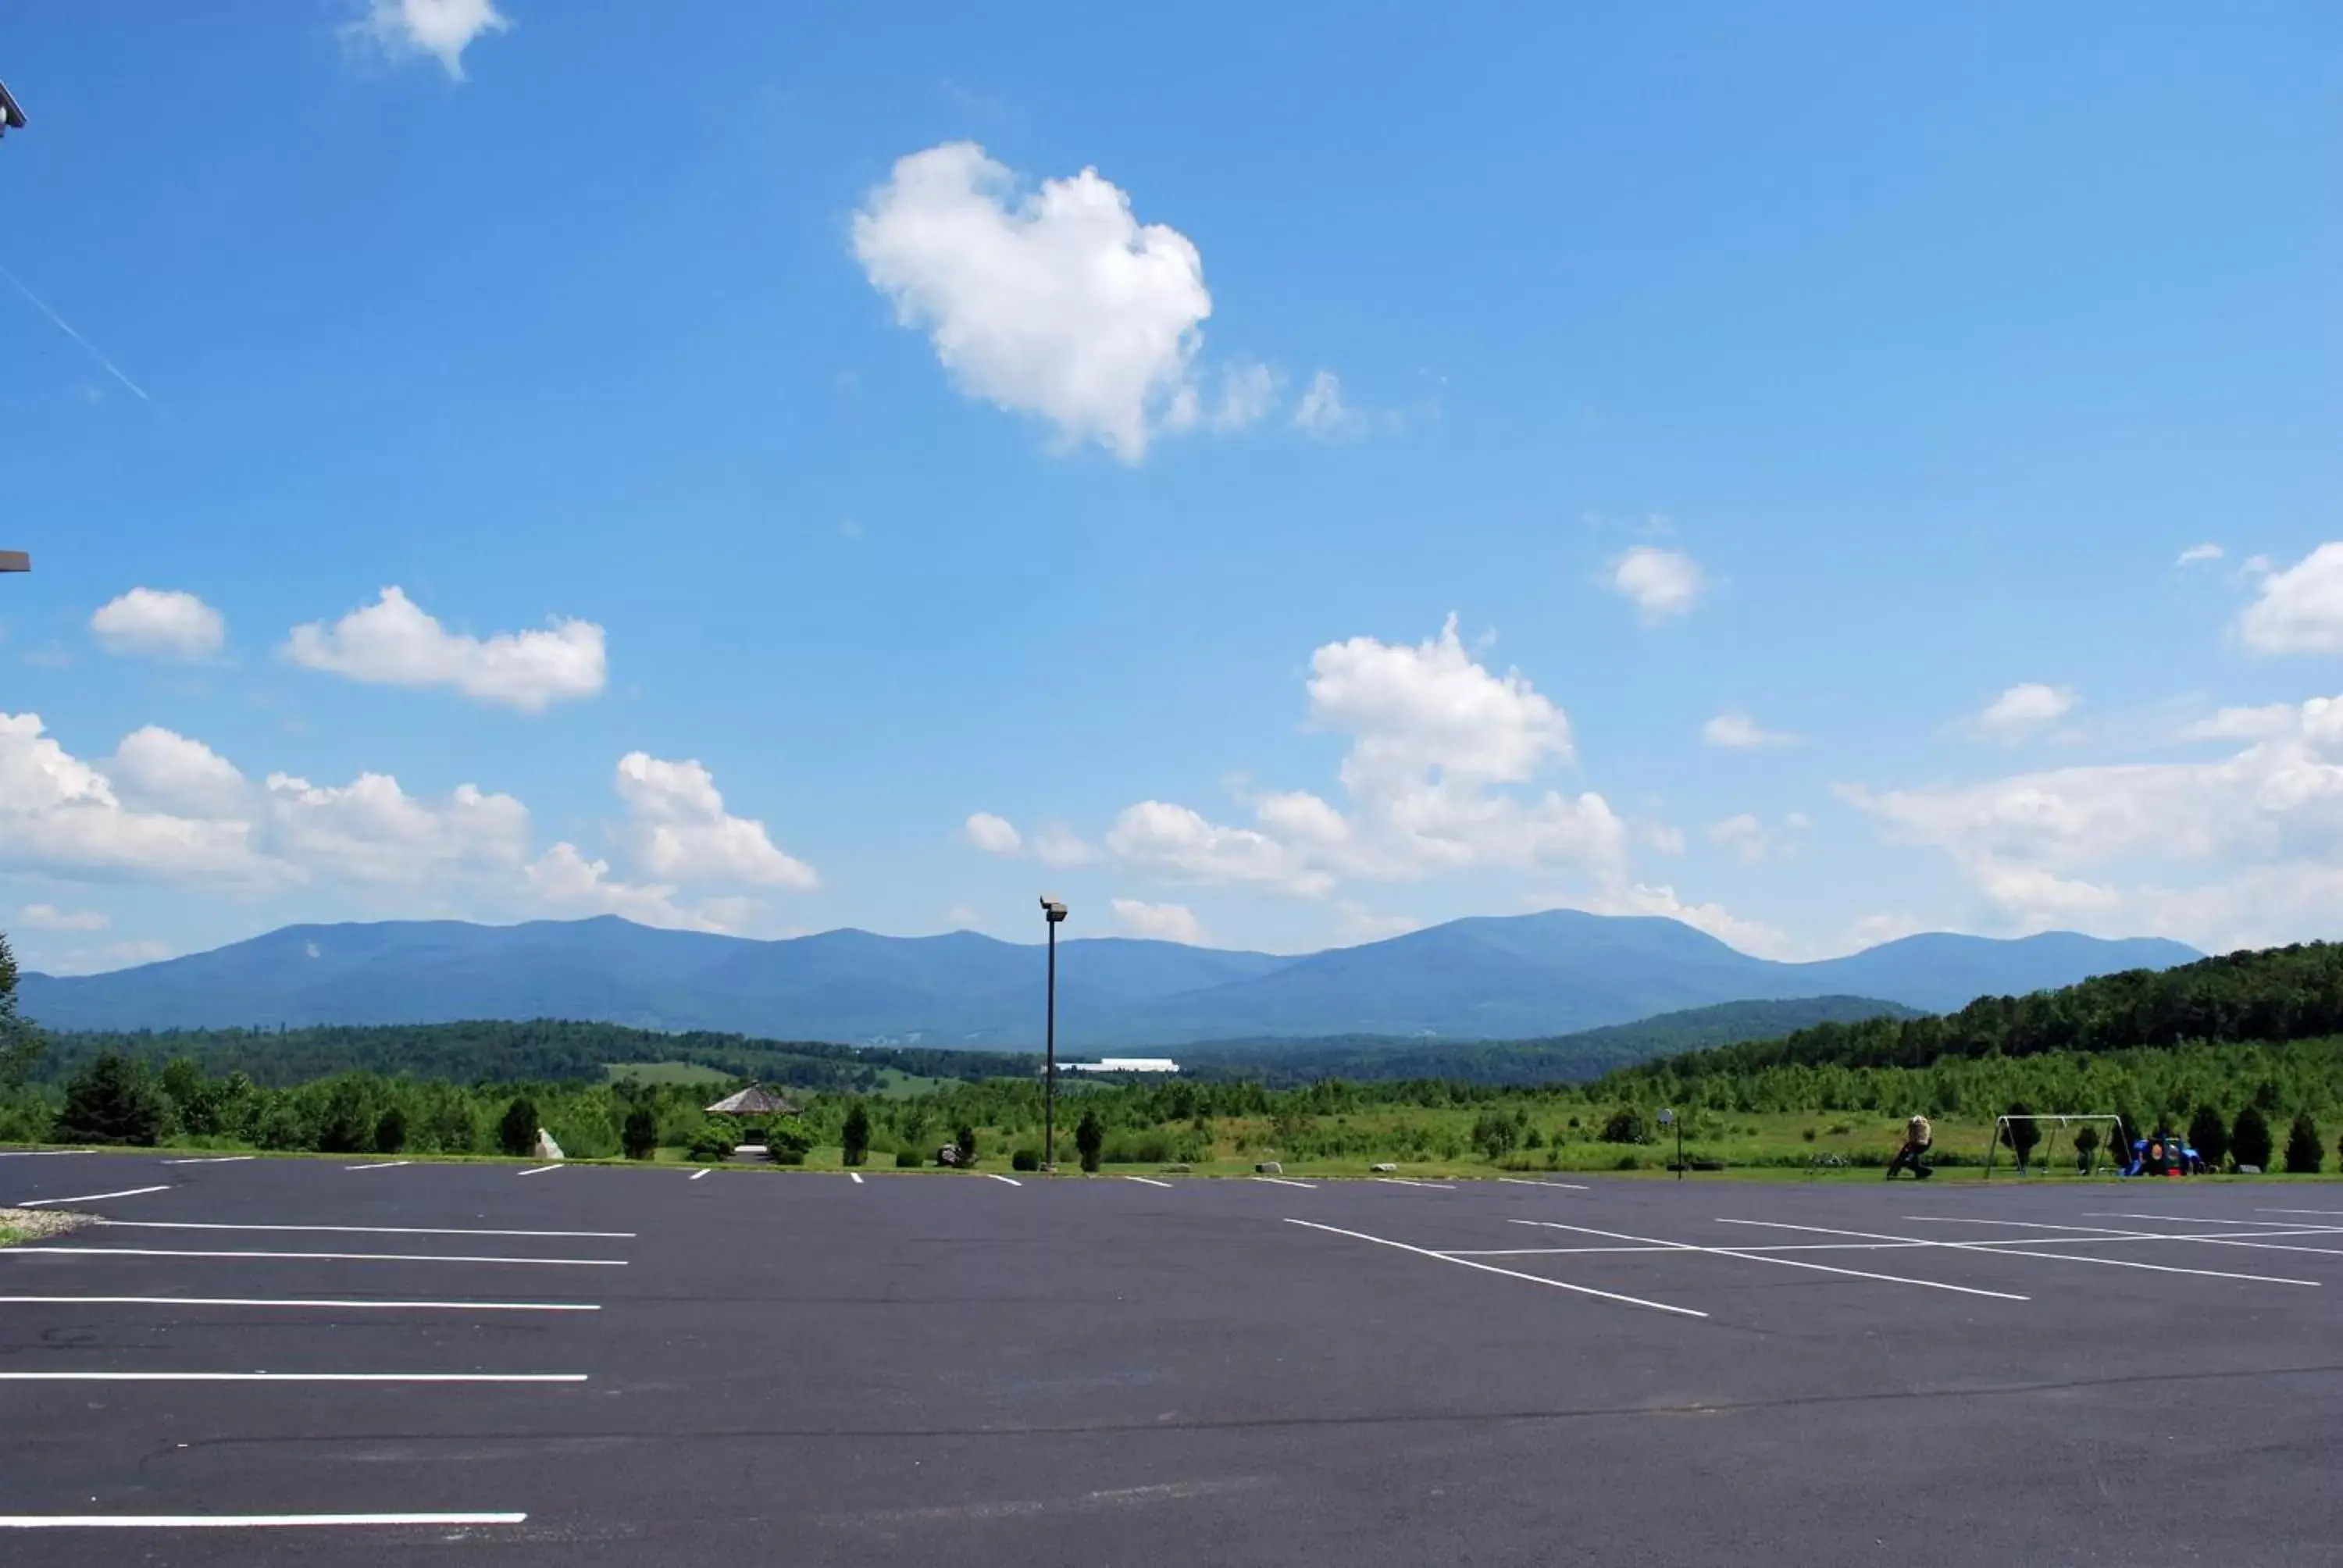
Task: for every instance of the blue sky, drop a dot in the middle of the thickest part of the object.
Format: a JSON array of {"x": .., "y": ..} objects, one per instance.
[{"x": 1274, "y": 478}]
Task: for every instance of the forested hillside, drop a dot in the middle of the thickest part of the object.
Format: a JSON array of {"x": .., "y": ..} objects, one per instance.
[
  {"x": 537, "y": 1051},
  {"x": 2271, "y": 996}
]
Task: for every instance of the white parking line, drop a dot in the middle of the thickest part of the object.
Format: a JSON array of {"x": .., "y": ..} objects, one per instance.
[
  {"x": 2084, "y": 1233},
  {"x": 42, "y": 1251},
  {"x": 1779, "y": 1263},
  {"x": 2333, "y": 1211},
  {"x": 1150, "y": 1181},
  {"x": 540, "y": 1169},
  {"x": 1010, "y": 1180},
  {"x": 297, "y": 1301},
  {"x": 698, "y": 1174},
  {"x": 857, "y": 1176},
  {"x": 93, "y": 1196},
  {"x": 288, "y": 1377},
  {"x": 386, "y": 1165},
  {"x": 360, "y": 1230},
  {"x": 1492, "y": 1268},
  {"x": 1283, "y": 1182},
  {"x": 2010, "y": 1248},
  {"x": 246, "y": 1521},
  {"x": 41, "y": 1153},
  {"x": 1412, "y": 1181},
  {"x": 1524, "y": 1181},
  {"x": 215, "y": 1159},
  {"x": 2282, "y": 1226}
]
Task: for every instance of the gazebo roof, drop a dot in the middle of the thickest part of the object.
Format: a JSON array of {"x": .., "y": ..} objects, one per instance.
[{"x": 754, "y": 1101}]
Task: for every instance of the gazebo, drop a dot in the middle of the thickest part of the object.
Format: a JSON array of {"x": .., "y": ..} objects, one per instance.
[{"x": 757, "y": 1102}]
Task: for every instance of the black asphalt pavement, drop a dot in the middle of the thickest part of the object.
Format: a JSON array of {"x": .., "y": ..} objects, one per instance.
[{"x": 929, "y": 1369}]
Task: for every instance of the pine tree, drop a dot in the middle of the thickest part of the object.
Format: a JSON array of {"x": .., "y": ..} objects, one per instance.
[
  {"x": 111, "y": 1100},
  {"x": 1089, "y": 1139},
  {"x": 2249, "y": 1138},
  {"x": 639, "y": 1136},
  {"x": 855, "y": 1136},
  {"x": 2209, "y": 1136},
  {"x": 517, "y": 1134},
  {"x": 2304, "y": 1154}
]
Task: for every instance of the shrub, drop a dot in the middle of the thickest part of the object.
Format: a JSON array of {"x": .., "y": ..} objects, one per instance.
[
  {"x": 854, "y": 1138},
  {"x": 2087, "y": 1145},
  {"x": 639, "y": 1136},
  {"x": 2249, "y": 1138},
  {"x": 517, "y": 1134},
  {"x": 2209, "y": 1136},
  {"x": 1025, "y": 1160},
  {"x": 390, "y": 1132},
  {"x": 967, "y": 1144},
  {"x": 111, "y": 1100},
  {"x": 711, "y": 1142},
  {"x": 1807, "y": 1133},
  {"x": 2022, "y": 1135},
  {"x": 907, "y": 1159},
  {"x": 1089, "y": 1139},
  {"x": 1626, "y": 1126},
  {"x": 2304, "y": 1154}
]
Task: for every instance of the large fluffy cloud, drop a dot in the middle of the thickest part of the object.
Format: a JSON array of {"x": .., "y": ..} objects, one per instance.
[
  {"x": 2240, "y": 849},
  {"x": 1060, "y": 304},
  {"x": 1165, "y": 922},
  {"x": 1440, "y": 749},
  {"x": 681, "y": 831},
  {"x": 2299, "y": 609},
  {"x": 165, "y": 623},
  {"x": 442, "y": 29},
  {"x": 168, "y": 809},
  {"x": 394, "y": 642}
]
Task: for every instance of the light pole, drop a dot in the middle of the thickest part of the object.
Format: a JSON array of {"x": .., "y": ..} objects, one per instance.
[
  {"x": 15, "y": 561},
  {"x": 11, "y": 119},
  {"x": 1054, "y": 914},
  {"x": 1668, "y": 1118}
]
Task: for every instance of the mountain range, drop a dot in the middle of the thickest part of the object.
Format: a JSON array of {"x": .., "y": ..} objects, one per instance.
[{"x": 1484, "y": 977}]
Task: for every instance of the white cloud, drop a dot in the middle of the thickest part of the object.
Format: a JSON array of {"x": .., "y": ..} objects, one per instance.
[
  {"x": 992, "y": 834},
  {"x": 371, "y": 831},
  {"x": 1752, "y": 840},
  {"x": 442, "y": 29},
  {"x": 165, "y": 623},
  {"x": 2021, "y": 712},
  {"x": 1438, "y": 744},
  {"x": 2247, "y": 846},
  {"x": 59, "y": 814},
  {"x": 49, "y": 917},
  {"x": 1739, "y": 732},
  {"x": 2300, "y": 609},
  {"x": 2195, "y": 553},
  {"x": 1322, "y": 413},
  {"x": 1361, "y": 924},
  {"x": 1059, "y": 847},
  {"x": 393, "y": 642},
  {"x": 680, "y": 831},
  {"x": 163, "y": 770},
  {"x": 1661, "y": 583},
  {"x": 2242, "y": 723},
  {"x": 1060, "y": 305},
  {"x": 564, "y": 879},
  {"x": 1641, "y": 899},
  {"x": 1164, "y": 922},
  {"x": 1247, "y": 391}
]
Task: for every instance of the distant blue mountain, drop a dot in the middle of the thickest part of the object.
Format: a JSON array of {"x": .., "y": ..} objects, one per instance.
[{"x": 1483, "y": 978}]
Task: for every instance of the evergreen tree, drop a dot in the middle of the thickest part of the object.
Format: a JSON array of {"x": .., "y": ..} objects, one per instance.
[
  {"x": 2023, "y": 1135},
  {"x": 640, "y": 1136},
  {"x": 111, "y": 1100},
  {"x": 517, "y": 1134},
  {"x": 854, "y": 1136},
  {"x": 2249, "y": 1138},
  {"x": 1089, "y": 1139},
  {"x": 20, "y": 1042},
  {"x": 2209, "y": 1134},
  {"x": 390, "y": 1132},
  {"x": 2304, "y": 1155},
  {"x": 967, "y": 1141}
]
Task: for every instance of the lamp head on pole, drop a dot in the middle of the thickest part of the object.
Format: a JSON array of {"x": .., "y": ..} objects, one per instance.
[
  {"x": 1052, "y": 909},
  {"x": 11, "y": 119}
]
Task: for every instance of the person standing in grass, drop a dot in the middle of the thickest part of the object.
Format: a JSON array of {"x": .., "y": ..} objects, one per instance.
[{"x": 1918, "y": 1136}]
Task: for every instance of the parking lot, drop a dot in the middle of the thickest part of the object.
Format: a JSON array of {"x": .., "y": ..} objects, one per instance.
[{"x": 266, "y": 1360}]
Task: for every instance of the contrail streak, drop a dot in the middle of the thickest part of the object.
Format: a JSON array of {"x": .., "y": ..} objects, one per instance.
[{"x": 66, "y": 327}]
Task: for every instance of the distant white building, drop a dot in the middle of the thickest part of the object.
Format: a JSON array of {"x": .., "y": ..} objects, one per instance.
[{"x": 1126, "y": 1064}]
